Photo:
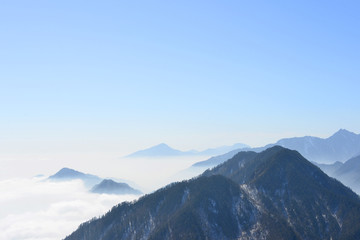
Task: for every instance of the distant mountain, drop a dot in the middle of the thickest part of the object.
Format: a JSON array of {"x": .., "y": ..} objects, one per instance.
[
  {"x": 66, "y": 174},
  {"x": 275, "y": 194},
  {"x": 163, "y": 150},
  {"x": 213, "y": 161},
  {"x": 340, "y": 147},
  {"x": 348, "y": 173},
  {"x": 109, "y": 186},
  {"x": 89, "y": 180},
  {"x": 329, "y": 169},
  {"x": 216, "y": 160},
  {"x": 223, "y": 149}
]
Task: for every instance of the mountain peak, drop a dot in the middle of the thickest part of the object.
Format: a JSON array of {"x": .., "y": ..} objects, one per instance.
[
  {"x": 160, "y": 150},
  {"x": 107, "y": 181},
  {"x": 163, "y": 146},
  {"x": 66, "y": 172},
  {"x": 340, "y": 146},
  {"x": 270, "y": 168},
  {"x": 343, "y": 133},
  {"x": 109, "y": 186}
]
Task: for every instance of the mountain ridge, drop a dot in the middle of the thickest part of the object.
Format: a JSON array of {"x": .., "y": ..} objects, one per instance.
[
  {"x": 340, "y": 146},
  {"x": 164, "y": 150},
  {"x": 275, "y": 194}
]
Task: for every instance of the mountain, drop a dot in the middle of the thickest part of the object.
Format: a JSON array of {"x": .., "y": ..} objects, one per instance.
[
  {"x": 275, "y": 194},
  {"x": 350, "y": 166},
  {"x": 284, "y": 182},
  {"x": 89, "y": 180},
  {"x": 66, "y": 174},
  {"x": 109, "y": 186},
  {"x": 329, "y": 169},
  {"x": 213, "y": 161},
  {"x": 163, "y": 150},
  {"x": 216, "y": 160},
  {"x": 223, "y": 149},
  {"x": 340, "y": 147},
  {"x": 179, "y": 211},
  {"x": 348, "y": 173}
]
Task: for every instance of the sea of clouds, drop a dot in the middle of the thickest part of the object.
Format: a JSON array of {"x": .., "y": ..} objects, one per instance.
[
  {"x": 43, "y": 210},
  {"x": 34, "y": 208}
]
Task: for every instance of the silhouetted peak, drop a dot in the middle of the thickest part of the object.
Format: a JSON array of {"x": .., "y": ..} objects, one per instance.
[
  {"x": 67, "y": 172},
  {"x": 277, "y": 150},
  {"x": 108, "y": 181},
  {"x": 162, "y": 146},
  {"x": 111, "y": 183},
  {"x": 109, "y": 186},
  {"x": 159, "y": 150}
]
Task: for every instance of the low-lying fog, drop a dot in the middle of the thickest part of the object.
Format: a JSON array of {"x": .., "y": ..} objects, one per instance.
[{"x": 32, "y": 208}]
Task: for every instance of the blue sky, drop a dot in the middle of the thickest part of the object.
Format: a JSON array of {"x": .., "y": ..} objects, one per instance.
[{"x": 118, "y": 76}]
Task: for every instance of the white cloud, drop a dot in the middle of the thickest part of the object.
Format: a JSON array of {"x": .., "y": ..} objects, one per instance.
[
  {"x": 35, "y": 209},
  {"x": 42, "y": 210}
]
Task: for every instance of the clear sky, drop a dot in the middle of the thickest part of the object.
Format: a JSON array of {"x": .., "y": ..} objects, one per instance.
[{"x": 119, "y": 76}]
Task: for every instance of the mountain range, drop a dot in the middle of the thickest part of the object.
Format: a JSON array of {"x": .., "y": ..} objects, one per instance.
[
  {"x": 341, "y": 146},
  {"x": 163, "y": 150},
  {"x": 93, "y": 182},
  {"x": 274, "y": 194}
]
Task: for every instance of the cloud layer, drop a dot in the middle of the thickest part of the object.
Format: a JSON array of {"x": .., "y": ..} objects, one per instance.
[{"x": 35, "y": 209}]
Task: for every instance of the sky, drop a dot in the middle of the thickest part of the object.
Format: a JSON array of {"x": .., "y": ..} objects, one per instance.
[
  {"x": 84, "y": 83},
  {"x": 80, "y": 78}
]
